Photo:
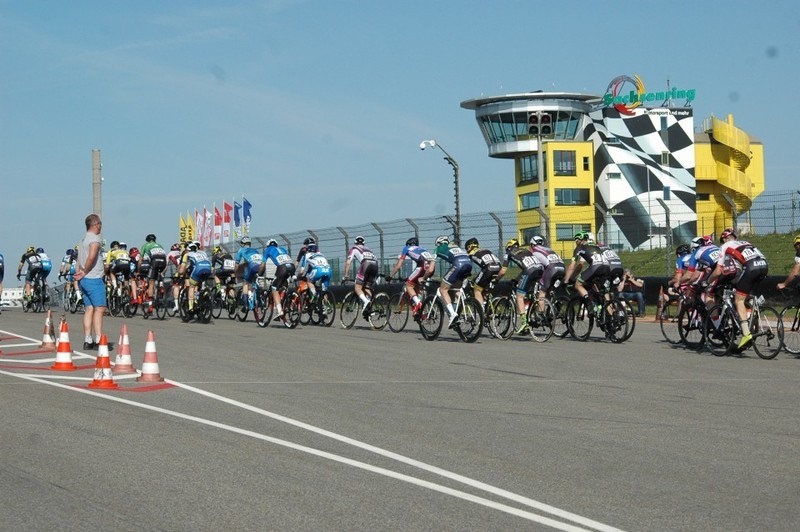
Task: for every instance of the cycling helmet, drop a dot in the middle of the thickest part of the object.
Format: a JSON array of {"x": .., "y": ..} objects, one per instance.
[
  {"x": 217, "y": 249},
  {"x": 39, "y": 250},
  {"x": 114, "y": 244},
  {"x": 31, "y": 249},
  {"x": 472, "y": 245},
  {"x": 311, "y": 248},
  {"x": 359, "y": 241},
  {"x": 245, "y": 241},
  {"x": 413, "y": 241},
  {"x": 308, "y": 241},
  {"x": 134, "y": 253},
  {"x": 697, "y": 242},
  {"x": 194, "y": 245},
  {"x": 272, "y": 242},
  {"x": 71, "y": 252},
  {"x": 683, "y": 249},
  {"x": 726, "y": 233},
  {"x": 123, "y": 245},
  {"x": 582, "y": 235},
  {"x": 442, "y": 240},
  {"x": 537, "y": 240},
  {"x": 797, "y": 240},
  {"x": 150, "y": 238},
  {"x": 511, "y": 244},
  {"x": 175, "y": 247}
]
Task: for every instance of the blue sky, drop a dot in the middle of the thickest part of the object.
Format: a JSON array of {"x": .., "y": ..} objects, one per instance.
[{"x": 315, "y": 109}]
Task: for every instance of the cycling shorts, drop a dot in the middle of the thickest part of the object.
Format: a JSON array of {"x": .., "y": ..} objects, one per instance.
[
  {"x": 527, "y": 279},
  {"x": 553, "y": 272},
  {"x": 458, "y": 271},
  {"x": 321, "y": 274},
  {"x": 282, "y": 274},
  {"x": 199, "y": 274},
  {"x": 251, "y": 271},
  {"x": 366, "y": 273}
]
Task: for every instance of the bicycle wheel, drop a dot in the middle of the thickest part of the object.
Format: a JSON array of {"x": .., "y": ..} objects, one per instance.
[
  {"x": 66, "y": 298},
  {"x": 580, "y": 319},
  {"x": 128, "y": 308},
  {"x": 242, "y": 305},
  {"x": 790, "y": 317},
  {"x": 469, "y": 323},
  {"x": 560, "y": 328},
  {"x": 217, "y": 303},
  {"x": 690, "y": 327},
  {"x": 349, "y": 311},
  {"x": 230, "y": 303},
  {"x": 431, "y": 318},
  {"x": 719, "y": 330},
  {"x": 541, "y": 319},
  {"x": 183, "y": 306},
  {"x": 325, "y": 312},
  {"x": 669, "y": 324},
  {"x": 379, "y": 312},
  {"x": 114, "y": 304},
  {"x": 203, "y": 307},
  {"x": 617, "y": 321},
  {"x": 399, "y": 309},
  {"x": 305, "y": 307},
  {"x": 767, "y": 331},
  {"x": 503, "y": 316},
  {"x": 160, "y": 304},
  {"x": 291, "y": 309}
]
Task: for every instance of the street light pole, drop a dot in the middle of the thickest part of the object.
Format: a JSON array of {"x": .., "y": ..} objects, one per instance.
[{"x": 452, "y": 162}]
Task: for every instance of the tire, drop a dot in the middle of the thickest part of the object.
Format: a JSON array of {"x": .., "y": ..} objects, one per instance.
[
  {"x": 380, "y": 311},
  {"x": 541, "y": 321},
  {"x": 790, "y": 317},
  {"x": 325, "y": 312},
  {"x": 217, "y": 303},
  {"x": 719, "y": 330},
  {"x": 242, "y": 306},
  {"x": 631, "y": 320},
  {"x": 204, "y": 306},
  {"x": 617, "y": 321},
  {"x": 264, "y": 308},
  {"x": 579, "y": 319},
  {"x": 349, "y": 311},
  {"x": 690, "y": 327},
  {"x": 470, "y": 321},
  {"x": 160, "y": 305},
  {"x": 291, "y": 309},
  {"x": 767, "y": 333},
  {"x": 183, "y": 306},
  {"x": 501, "y": 321},
  {"x": 669, "y": 325},
  {"x": 431, "y": 318},
  {"x": 128, "y": 308},
  {"x": 230, "y": 303},
  {"x": 114, "y": 305},
  {"x": 305, "y": 307},
  {"x": 560, "y": 328},
  {"x": 399, "y": 309}
]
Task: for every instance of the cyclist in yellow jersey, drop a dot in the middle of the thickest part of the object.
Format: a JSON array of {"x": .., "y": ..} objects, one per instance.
[{"x": 119, "y": 262}]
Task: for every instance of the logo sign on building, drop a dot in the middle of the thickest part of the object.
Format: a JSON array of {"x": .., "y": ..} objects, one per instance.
[{"x": 627, "y": 93}]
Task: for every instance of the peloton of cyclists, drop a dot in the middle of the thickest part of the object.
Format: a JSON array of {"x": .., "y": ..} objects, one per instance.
[
  {"x": 489, "y": 265},
  {"x": 751, "y": 266},
  {"x": 367, "y": 271},
  {"x": 424, "y": 267},
  {"x": 531, "y": 271}
]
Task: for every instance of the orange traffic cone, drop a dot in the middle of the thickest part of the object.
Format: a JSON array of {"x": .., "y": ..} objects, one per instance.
[
  {"x": 150, "y": 371},
  {"x": 103, "y": 377},
  {"x": 123, "y": 363},
  {"x": 48, "y": 338},
  {"x": 64, "y": 351}
]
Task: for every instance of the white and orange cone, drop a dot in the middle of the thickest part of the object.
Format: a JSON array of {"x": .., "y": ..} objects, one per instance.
[
  {"x": 48, "y": 338},
  {"x": 64, "y": 351},
  {"x": 103, "y": 376},
  {"x": 150, "y": 371},
  {"x": 124, "y": 364}
]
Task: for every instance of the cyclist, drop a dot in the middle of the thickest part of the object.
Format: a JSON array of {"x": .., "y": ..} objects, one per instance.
[
  {"x": 588, "y": 266},
  {"x": 460, "y": 269},
  {"x": 223, "y": 266},
  {"x": 554, "y": 268},
  {"x": 751, "y": 266},
  {"x": 531, "y": 271},
  {"x": 488, "y": 263},
  {"x": 793, "y": 273},
  {"x": 314, "y": 268},
  {"x": 171, "y": 272},
  {"x": 425, "y": 266},
  {"x": 31, "y": 259},
  {"x": 153, "y": 254},
  {"x": 250, "y": 260},
  {"x": 284, "y": 268},
  {"x": 118, "y": 262},
  {"x": 67, "y": 269},
  {"x": 367, "y": 271},
  {"x": 196, "y": 266},
  {"x": 615, "y": 268}
]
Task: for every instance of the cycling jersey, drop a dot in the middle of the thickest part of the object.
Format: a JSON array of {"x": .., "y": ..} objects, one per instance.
[
  {"x": 252, "y": 260},
  {"x": 285, "y": 267},
  {"x": 197, "y": 265},
  {"x": 368, "y": 264},
  {"x": 155, "y": 257},
  {"x": 615, "y": 269},
  {"x": 316, "y": 268},
  {"x": 751, "y": 264},
  {"x": 591, "y": 255},
  {"x": 223, "y": 265},
  {"x": 460, "y": 264},
  {"x": 119, "y": 262},
  {"x": 417, "y": 254},
  {"x": 554, "y": 268},
  {"x": 532, "y": 269}
]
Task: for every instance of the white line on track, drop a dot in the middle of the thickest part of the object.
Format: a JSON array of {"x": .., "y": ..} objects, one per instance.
[{"x": 499, "y": 492}]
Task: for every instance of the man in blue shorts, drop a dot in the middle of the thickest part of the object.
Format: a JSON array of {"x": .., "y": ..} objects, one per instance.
[{"x": 89, "y": 274}]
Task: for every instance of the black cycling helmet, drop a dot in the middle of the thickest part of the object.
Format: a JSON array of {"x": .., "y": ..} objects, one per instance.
[
  {"x": 39, "y": 250},
  {"x": 150, "y": 238},
  {"x": 312, "y": 248},
  {"x": 511, "y": 244},
  {"x": 71, "y": 252},
  {"x": 359, "y": 241},
  {"x": 413, "y": 241},
  {"x": 308, "y": 241},
  {"x": 175, "y": 247},
  {"x": 472, "y": 244},
  {"x": 114, "y": 244},
  {"x": 683, "y": 249}
]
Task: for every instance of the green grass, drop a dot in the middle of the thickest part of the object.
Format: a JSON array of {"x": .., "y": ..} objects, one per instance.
[{"x": 779, "y": 250}]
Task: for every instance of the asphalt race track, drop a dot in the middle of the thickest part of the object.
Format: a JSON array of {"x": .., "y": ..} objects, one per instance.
[{"x": 332, "y": 429}]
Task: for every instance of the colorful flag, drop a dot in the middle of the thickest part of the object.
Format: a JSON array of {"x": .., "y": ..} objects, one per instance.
[
  {"x": 199, "y": 223},
  {"x": 246, "y": 210},
  {"x": 217, "y": 226},
  {"x": 208, "y": 227},
  {"x": 237, "y": 220},
  {"x": 226, "y": 222},
  {"x": 192, "y": 229},
  {"x": 183, "y": 229}
]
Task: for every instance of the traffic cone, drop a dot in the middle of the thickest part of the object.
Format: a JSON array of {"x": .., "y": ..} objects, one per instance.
[
  {"x": 150, "y": 372},
  {"x": 123, "y": 363},
  {"x": 48, "y": 338},
  {"x": 103, "y": 377},
  {"x": 64, "y": 351}
]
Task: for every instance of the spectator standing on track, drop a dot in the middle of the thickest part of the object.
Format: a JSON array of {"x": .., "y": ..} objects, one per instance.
[
  {"x": 89, "y": 275},
  {"x": 632, "y": 288}
]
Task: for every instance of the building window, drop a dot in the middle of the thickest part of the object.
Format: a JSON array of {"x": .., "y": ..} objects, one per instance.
[
  {"x": 572, "y": 196},
  {"x": 663, "y": 123},
  {"x": 585, "y": 164},
  {"x": 531, "y": 201},
  {"x": 703, "y": 197},
  {"x": 614, "y": 175},
  {"x": 527, "y": 170},
  {"x": 564, "y": 162},
  {"x": 665, "y": 158},
  {"x": 613, "y": 140},
  {"x": 568, "y": 231}
]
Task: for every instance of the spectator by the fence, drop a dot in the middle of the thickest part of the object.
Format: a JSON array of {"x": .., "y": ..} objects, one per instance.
[{"x": 632, "y": 288}]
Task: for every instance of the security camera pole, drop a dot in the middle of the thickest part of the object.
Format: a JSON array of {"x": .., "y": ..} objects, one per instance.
[{"x": 452, "y": 162}]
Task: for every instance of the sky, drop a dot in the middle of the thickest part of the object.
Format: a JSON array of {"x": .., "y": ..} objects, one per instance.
[{"x": 314, "y": 109}]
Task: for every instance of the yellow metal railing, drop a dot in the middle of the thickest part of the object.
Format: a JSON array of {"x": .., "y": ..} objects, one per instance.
[{"x": 731, "y": 173}]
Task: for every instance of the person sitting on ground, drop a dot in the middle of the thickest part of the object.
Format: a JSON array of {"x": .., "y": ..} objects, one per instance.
[{"x": 632, "y": 288}]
